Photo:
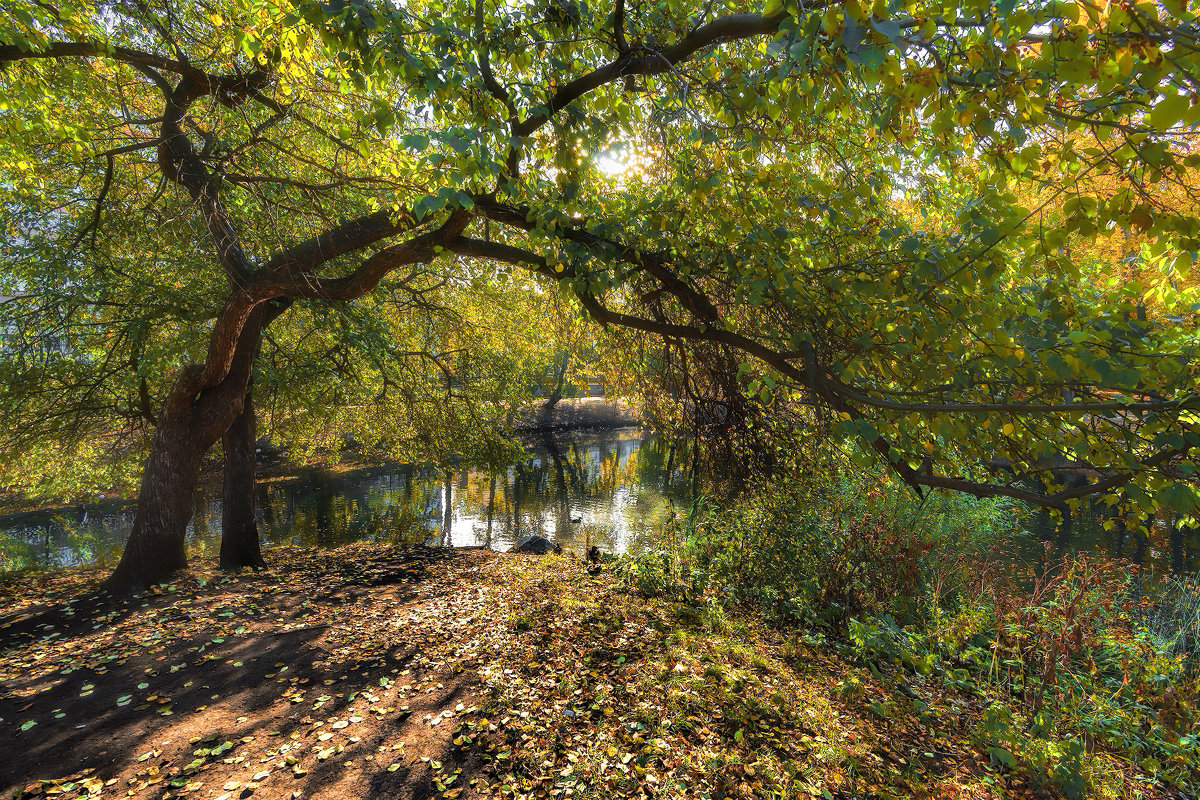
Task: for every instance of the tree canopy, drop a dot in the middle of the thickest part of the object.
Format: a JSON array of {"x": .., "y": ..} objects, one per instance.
[{"x": 955, "y": 234}]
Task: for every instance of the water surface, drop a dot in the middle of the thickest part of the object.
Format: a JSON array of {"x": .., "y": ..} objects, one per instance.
[
  {"x": 615, "y": 489},
  {"x": 607, "y": 488}
]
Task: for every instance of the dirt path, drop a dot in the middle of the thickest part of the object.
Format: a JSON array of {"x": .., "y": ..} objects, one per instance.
[{"x": 327, "y": 677}]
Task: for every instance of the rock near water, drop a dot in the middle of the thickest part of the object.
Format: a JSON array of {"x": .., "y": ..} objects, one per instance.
[{"x": 537, "y": 545}]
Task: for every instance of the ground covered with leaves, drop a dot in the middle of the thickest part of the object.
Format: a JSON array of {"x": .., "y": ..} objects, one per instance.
[{"x": 374, "y": 672}]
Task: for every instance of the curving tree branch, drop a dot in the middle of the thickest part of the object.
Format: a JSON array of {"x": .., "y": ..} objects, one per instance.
[{"x": 728, "y": 28}]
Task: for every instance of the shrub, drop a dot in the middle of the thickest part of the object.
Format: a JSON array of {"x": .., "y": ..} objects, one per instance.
[
  {"x": 823, "y": 554},
  {"x": 1069, "y": 672},
  {"x": 1070, "y": 667}
]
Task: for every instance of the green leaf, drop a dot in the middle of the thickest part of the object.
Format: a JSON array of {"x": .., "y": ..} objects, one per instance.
[
  {"x": 1168, "y": 111},
  {"x": 888, "y": 28},
  {"x": 1182, "y": 264},
  {"x": 1058, "y": 366},
  {"x": 1179, "y": 497},
  {"x": 867, "y": 430},
  {"x": 415, "y": 141},
  {"x": 1002, "y": 756}
]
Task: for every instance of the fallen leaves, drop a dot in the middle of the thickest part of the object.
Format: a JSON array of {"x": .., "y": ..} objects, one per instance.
[
  {"x": 133, "y": 658},
  {"x": 478, "y": 675}
]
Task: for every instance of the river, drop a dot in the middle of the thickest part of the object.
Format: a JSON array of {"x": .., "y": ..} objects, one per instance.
[{"x": 608, "y": 488}]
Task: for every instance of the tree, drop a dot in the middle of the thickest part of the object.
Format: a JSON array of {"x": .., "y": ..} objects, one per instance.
[
  {"x": 428, "y": 370},
  {"x": 762, "y": 218}
]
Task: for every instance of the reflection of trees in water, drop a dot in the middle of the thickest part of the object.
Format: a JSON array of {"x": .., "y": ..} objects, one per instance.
[
  {"x": 625, "y": 487},
  {"x": 327, "y": 510},
  {"x": 582, "y": 471},
  {"x": 614, "y": 479},
  {"x": 1162, "y": 546},
  {"x": 448, "y": 509},
  {"x": 616, "y": 482},
  {"x": 602, "y": 478},
  {"x": 542, "y": 493},
  {"x": 62, "y": 539},
  {"x": 491, "y": 510}
]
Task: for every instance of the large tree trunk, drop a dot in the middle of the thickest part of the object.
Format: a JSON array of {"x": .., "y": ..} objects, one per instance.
[
  {"x": 156, "y": 544},
  {"x": 239, "y": 530},
  {"x": 546, "y": 411},
  {"x": 194, "y": 416}
]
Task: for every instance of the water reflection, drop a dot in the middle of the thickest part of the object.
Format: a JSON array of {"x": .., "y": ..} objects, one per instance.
[
  {"x": 613, "y": 489},
  {"x": 1162, "y": 548}
]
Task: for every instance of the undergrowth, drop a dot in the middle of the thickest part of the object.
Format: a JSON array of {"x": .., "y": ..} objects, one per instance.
[{"x": 1085, "y": 691}]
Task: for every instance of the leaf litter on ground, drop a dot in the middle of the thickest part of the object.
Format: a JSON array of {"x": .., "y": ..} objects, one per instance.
[{"x": 370, "y": 671}]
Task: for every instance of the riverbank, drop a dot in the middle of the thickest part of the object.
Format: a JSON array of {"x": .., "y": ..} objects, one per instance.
[
  {"x": 582, "y": 413},
  {"x": 367, "y": 671}
]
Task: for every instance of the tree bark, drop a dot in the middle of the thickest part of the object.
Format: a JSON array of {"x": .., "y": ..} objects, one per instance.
[
  {"x": 560, "y": 380},
  {"x": 156, "y": 546},
  {"x": 194, "y": 416},
  {"x": 239, "y": 529}
]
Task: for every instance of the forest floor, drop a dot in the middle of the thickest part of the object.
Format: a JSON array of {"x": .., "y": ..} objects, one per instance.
[{"x": 426, "y": 673}]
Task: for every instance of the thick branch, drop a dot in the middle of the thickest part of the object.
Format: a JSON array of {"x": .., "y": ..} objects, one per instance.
[
  {"x": 728, "y": 28},
  {"x": 177, "y": 158},
  {"x": 619, "y": 27},
  {"x": 496, "y": 251},
  {"x": 821, "y": 387},
  {"x": 179, "y": 162},
  {"x": 485, "y": 65},
  {"x": 656, "y": 264},
  {"x": 227, "y": 87},
  {"x": 265, "y": 286},
  {"x": 421, "y": 248},
  {"x": 339, "y": 240},
  {"x": 1017, "y": 409}
]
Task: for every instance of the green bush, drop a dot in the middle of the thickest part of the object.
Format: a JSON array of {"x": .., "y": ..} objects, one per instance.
[
  {"x": 1068, "y": 670},
  {"x": 825, "y": 554}
]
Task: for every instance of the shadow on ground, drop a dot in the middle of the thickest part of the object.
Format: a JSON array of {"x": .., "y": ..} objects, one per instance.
[{"x": 322, "y": 676}]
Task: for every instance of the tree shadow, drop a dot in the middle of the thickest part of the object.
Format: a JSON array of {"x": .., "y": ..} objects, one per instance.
[{"x": 272, "y": 693}]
